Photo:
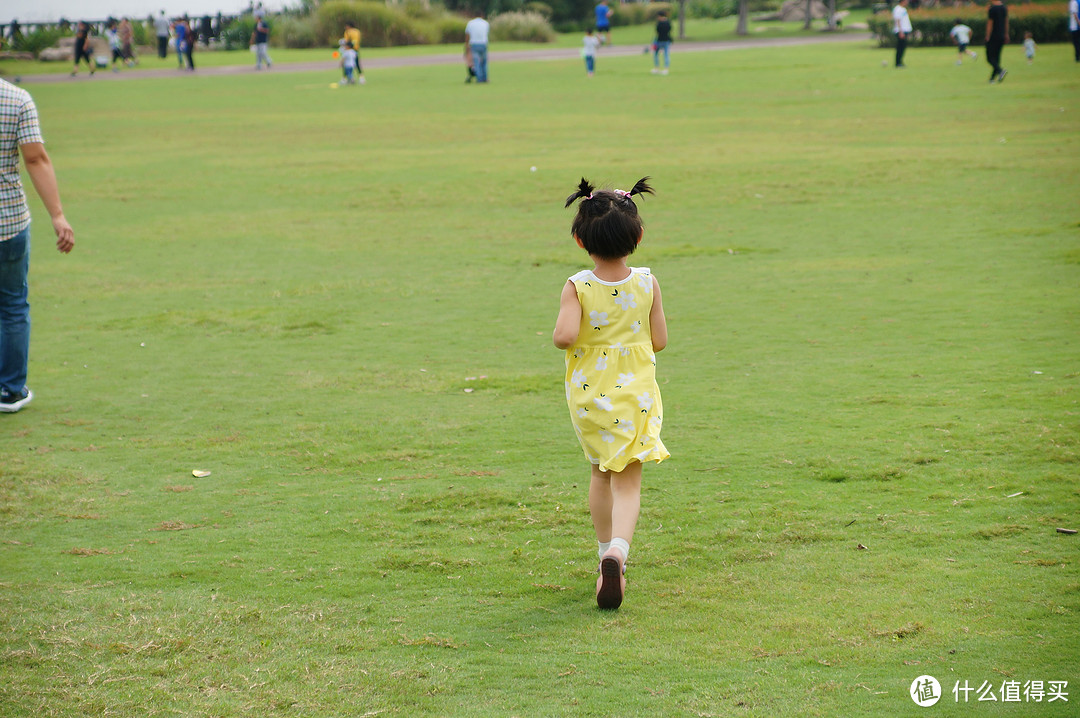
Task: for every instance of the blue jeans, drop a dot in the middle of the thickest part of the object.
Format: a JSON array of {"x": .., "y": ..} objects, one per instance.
[
  {"x": 479, "y": 58},
  {"x": 590, "y": 63},
  {"x": 14, "y": 311},
  {"x": 664, "y": 47}
]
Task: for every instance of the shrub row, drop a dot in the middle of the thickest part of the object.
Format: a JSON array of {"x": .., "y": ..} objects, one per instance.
[
  {"x": 521, "y": 26},
  {"x": 930, "y": 28},
  {"x": 409, "y": 24}
]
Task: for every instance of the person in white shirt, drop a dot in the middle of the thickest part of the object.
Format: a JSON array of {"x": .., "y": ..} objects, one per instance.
[
  {"x": 348, "y": 64},
  {"x": 961, "y": 35},
  {"x": 592, "y": 44},
  {"x": 902, "y": 29},
  {"x": 1074, "y": 26},
  {"x": 161, "y": 29},
  {"x": 477, "y": 29}
]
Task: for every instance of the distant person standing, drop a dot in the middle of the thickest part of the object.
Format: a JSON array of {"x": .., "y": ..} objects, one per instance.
[
  {"x": 603, "y": 21},
  {"x": 126, "y": 34},
  {"x": 997, "y": 36},
  {"x": 352, "y": 34},
  {"x": 20, "y": 133},
  {"x": 592, "y": 45},
  {"x": 1074, "y": 27},
  {"x": 161, "y": 29},
  {"x": 348, "y": 65},
  {"x": 961, "y": 35},
  {"x": 113, "y": 36},
  {"x": 261, "y": 39},
  {"x": 180, "y": 32},
  {"x": 662, "y": 43},
  {"x": 478, "y": 30},
  {"x": 902, "y": 29},
  {"x": 83, "y": 49},
  {"x": 189, "y": 43}
]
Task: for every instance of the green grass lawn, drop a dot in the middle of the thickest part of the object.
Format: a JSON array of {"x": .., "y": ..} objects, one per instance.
[{"x": 870, "y": 279}]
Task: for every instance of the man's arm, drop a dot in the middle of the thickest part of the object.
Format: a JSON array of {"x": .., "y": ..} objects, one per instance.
[{"x": 40, "y": 168}]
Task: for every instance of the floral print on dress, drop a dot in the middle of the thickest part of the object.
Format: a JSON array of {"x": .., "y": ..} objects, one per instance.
[
  {"x": 625, "y": 300},
  {"x": 645, "y": 401},
  {"x": 614, "y": 401}
]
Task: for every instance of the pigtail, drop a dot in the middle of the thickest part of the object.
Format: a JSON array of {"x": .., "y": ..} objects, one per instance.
[
  {"x": 584, "y": 190},
  {"x": 641, "y": 187}
]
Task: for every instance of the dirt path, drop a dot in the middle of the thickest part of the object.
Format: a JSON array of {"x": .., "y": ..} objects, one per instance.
[{"x": 494, "y": 58}]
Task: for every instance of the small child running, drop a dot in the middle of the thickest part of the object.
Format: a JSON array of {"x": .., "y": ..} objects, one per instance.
[
  {"x": 1029, "y": 47},
  {"x": 113, "y": 36},
  {"x": 592, "y": 45},
  {"x": 961, "y": 35},
  {"x": 611, "y": 324},
  {"x": 348, "y": 64}
]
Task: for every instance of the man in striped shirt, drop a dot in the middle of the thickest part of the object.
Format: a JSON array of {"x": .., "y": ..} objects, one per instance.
[{"x": 20, "y": 133}]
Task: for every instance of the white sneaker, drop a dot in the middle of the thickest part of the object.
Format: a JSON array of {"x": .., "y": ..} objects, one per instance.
[
  {"x": 362, "y": 80},
  {"x": 656, "y": 71},
  {"x": 663, "y": 72},
  {"x": 10, "y": 403}
]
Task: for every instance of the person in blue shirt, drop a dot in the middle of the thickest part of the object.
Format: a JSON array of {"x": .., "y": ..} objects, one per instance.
[
  {"x": 603, "y": 21},
  {"x": 181, "y": 31}
]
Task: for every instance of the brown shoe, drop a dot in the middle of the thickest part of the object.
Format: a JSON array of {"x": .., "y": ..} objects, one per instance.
[{"x": 611, "y": 585}]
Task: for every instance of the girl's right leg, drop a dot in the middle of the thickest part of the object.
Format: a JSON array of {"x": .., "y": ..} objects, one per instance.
[{"x": 600, "y": 501}]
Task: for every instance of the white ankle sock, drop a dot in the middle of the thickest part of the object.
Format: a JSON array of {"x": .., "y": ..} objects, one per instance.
[
  {"x": 623, "y": 545},
  {"x": 603, "y": 547}
]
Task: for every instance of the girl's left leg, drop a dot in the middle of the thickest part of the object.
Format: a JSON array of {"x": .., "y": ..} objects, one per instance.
[{"x": 615, "y": 503}]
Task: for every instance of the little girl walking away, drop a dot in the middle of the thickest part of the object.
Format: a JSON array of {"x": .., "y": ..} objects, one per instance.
[{"x": 611, "y": 324}]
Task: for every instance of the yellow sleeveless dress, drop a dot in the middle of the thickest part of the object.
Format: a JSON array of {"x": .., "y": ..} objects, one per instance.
[{"x": 611, "y": 386}]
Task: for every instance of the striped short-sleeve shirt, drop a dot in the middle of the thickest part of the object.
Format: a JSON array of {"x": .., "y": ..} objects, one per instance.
[{"x": 18, "y": 126}]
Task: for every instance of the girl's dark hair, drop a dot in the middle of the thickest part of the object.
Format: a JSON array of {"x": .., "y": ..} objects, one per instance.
[{"x": 607, "y": 222}]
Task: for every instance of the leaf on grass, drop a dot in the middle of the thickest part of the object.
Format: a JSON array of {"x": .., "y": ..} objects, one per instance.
[
  {"x": 88, "y": 551},
  {"x": 175, "y": 526},
  {"x": 550, "y": 586},
  {"x": 199, "y": 473},
  {"x": 429, "y": 640},
  {"x": 906, "y": 631}
]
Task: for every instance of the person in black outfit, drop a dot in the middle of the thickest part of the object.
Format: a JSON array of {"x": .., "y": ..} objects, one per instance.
[
  {"x": 997, "y": 35},
  {"x": 662, "y": 43},
  {"x": 83, "y": 49}
]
